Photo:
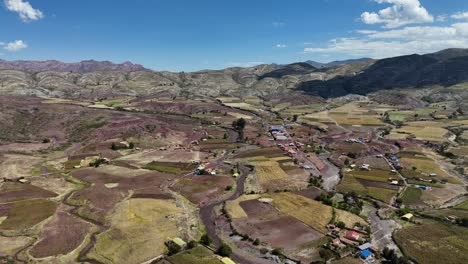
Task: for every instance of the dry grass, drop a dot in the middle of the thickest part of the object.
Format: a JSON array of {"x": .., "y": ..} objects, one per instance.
[
  {"x": 310, "y": 212},
  {"x": 384, "y": 195},
  {"x": 234, "y": 209},
  {"x": 434, "y": 242},
  {"x": 348, "y": 218},
  {"x": 429, "y": 133},
  {"x": 269, "y": 171},
  {"x": 139, "y": 228}
]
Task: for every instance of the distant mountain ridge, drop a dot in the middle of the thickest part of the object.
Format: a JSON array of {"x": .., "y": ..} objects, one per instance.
[
  {"x": 335, "y": 63},
  {"x": 91, "y": 79},
  {"x": 78, "y": 67}
]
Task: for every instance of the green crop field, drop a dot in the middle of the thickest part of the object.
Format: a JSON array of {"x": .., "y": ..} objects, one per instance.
[
  {"x": 170, "y": 167},
  {"x": 412, "y": 196},
  {"x": 197, "y": 255},
  {"x": 432, "y": 242}
]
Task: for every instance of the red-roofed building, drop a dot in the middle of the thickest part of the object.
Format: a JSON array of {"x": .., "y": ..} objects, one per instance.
[{"x": 353, "y": 235}]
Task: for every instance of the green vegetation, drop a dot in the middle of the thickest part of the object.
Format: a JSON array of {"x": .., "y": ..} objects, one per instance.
[
  {"x": 25, "y": 214},
  {"x": 224, "y": 250},
  {"x": 170, "y": 167},
  {"x": 412, "y": 196},
  {"x": 463, "y": 206},
  {"x": 433, "y": 241},
  {"x": 197, "y": 255}
]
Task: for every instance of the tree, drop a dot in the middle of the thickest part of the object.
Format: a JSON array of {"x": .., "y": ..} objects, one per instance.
[
  {"x": 295, "y": 118},
  {"x": 239, "y": 126},
  {"x": 276, "y": 251},
  {"x": 256, "y": 242},
  {"x": 224, "y": 250},
  {"x": 191, "y": 244},
  {"x": 173, "y": 248},
  {"x": 341, "y": 224},
  {"x": 114, "y": 146},
  {"x": 131, "y": 145},
  {"x": 205, "y": 240},
  {"x": 228, "y": 188}
]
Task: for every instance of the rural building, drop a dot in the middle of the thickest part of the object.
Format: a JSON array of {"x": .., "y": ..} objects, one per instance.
[
  {"x": 407, "y": 216},
  {"x": 365, "y": 253},
  {"x": 365, "y": 246},
  {"x": 178, "y": 241},
  {"x": 353, "y": 235},
  {"x": 276, "y": 128},
  {"x": 227, "y": 260},
  {"x": 281, "y": 138}
]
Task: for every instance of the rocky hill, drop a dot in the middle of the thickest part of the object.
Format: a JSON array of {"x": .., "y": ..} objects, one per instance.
[
  {"x": 103, "y": 79},
  {"x": 78, "y": 67}
]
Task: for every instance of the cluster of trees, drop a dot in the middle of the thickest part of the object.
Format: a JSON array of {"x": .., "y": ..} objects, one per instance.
[
  {"x": 392, "y": 258},
  {"x": 239, "y": 126},
  {"x": 315, "y": 181}
]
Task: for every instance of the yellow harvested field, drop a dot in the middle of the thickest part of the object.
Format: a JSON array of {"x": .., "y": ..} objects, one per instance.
[
  {"x": 10, "y": 245},
  {"x": 244, "y": 106},
  {"x": 348, "y": 218},
  {"x": 436, "y": 134},
  {"x": 139, "y": 228},
  {"x": 269, "y": 171},
  {"x": 233, "y": 208},
  {"x": 310, "y": 212},
  {"x": 239, "y": 115},
  {"x": 349, "y": 114}
]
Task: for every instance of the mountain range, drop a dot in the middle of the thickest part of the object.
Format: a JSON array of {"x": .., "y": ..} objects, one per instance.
[
  {"x": 335, "y": 63},
  {"x": 79, "y": 67},
  {"x": 92, "y": 79}
]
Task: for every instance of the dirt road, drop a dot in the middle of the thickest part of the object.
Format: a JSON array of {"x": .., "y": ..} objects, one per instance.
[
  {"x": 207, "y": 214},
  {"x": 382, "y": 231}
]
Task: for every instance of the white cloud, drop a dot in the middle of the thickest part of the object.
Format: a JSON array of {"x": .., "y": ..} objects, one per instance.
[
  {"x": 24, "y": 9},
  {"x": 398, "y": 42},
  {"x": 278, "y": 24},
  {"x": 245, "y": 64},
  {"x": 441, "y": 18},
  {"x": 15, "y": 45},
  {"x": 366, "y": 32},
  {"x": 280, "y": 46},
  {"x": 402, "y": 12},
  {"x": 460, "y": 15}
]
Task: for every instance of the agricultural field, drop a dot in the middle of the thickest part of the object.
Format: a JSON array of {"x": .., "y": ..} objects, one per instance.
[
  {"x": 445, "y": 242},
  {"x": 300, "y": 207},
  {"x": 197, "y": 255},
  {"x": 124, "y": 208},
  {"x": 171, "y": 167},
  {"x": 201, "y": 189},
  {"x": 412, "y": 197},
  {"x": 373, "y": 182},
  {"x": 25, "y": 214},
  {"x": 139, "y": 229}
]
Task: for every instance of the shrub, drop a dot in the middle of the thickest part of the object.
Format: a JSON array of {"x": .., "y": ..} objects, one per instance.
[
  {"x": 205, "y": 240},
  {"x": 224, "y": 250}
]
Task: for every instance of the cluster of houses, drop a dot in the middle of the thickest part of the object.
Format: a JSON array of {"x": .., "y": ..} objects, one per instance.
[
  {"x": 359, "y": 140},
  {"x": 279, "y": 133},
  {"x": 395, "y": 162},
  {"x": 202, "y": 169},
  {"x": 355, "y": 239}
]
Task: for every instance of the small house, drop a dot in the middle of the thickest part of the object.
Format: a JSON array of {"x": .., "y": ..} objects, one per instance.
[
  {"x": 227, "y": 260},
  {"x": 365, "y": 253},
  {"x": 365, "y": 246},
  {"x": 178, "y": 241},
  {"x": 407, "y": 217},
  {"x": 353, "y": 235}
]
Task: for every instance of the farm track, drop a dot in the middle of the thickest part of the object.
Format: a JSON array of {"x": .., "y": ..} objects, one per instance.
[
  {"x": 82, "y": 255},
  {"x": 207, "y": 214}
]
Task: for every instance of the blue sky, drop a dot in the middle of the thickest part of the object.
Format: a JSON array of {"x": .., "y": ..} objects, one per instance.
[{"x": 192, "y": 35}]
